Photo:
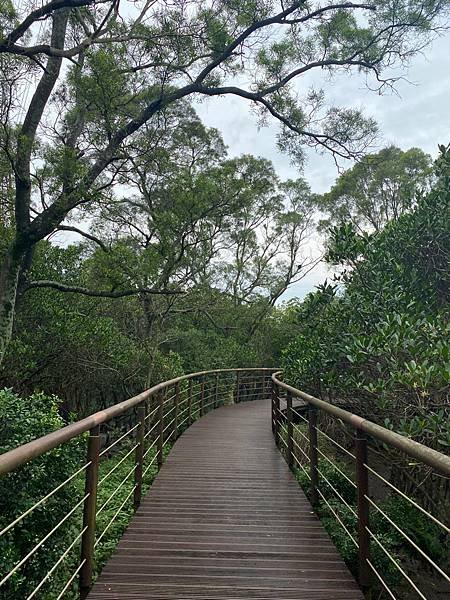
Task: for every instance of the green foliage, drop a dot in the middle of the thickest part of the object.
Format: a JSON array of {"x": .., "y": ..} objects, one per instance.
[
  {"x": 8, "y": 16},
  {"x": 378, "y": 337},
  {"x": 79, "y": 337},
  {"x": 24, "y": 419},
  {"x": 428, "y": 536},
  {"x": 226, "y": 231},
  {"x": 377, "y": 189}
]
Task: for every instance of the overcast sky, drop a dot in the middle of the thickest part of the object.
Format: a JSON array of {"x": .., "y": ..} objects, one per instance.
[{"x": 418, "y": 116}]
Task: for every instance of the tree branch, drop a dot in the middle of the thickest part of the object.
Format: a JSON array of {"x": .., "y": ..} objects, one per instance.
[
  {"x": 62, "y": 287},
  {"x": 36, "y": 15},
  {"x": 320, "y": 138},
  {"x": 88, "y": 236}
]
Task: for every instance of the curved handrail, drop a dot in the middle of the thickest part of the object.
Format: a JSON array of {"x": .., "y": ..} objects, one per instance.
[
  {"x": 162, "y": 413},
  {"x": 22, "y": 454},
  {"x": 158, "y": 416},
  {"x": 438, "y": 461},
  {"x": 307, "y": 447}
]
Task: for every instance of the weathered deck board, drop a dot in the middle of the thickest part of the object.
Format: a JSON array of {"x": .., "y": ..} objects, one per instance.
[{"x": 225, "y": 519}]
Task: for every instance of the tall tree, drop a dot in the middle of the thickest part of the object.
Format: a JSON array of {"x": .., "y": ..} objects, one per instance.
[
  {"x": 130, "y": 62},
  {"x": 219, "y": 228},
  {"x": 378, "y": 189}
]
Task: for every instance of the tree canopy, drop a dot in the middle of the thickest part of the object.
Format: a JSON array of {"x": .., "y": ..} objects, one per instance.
[
  {"x": 377, "y": 335},
  {"x": 105, "y": 74},
  {"x": 378, "y": 189}
]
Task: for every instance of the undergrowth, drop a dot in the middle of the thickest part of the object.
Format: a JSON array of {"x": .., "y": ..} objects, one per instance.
[{"x": 425, "y": 534}]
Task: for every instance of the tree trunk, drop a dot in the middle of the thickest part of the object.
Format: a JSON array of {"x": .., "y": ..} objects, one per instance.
[
  {"x": 20, "y": 251},
  {"x": 9, "y": 276}
]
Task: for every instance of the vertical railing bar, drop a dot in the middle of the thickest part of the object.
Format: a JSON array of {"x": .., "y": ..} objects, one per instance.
[
  {"x": 216, "y": 391},
  {"x": 238, "y": 378},
  {"x": 273, "y": 404},
  {"x": 202, "y": 396},
  {"x": 89, "y": 512},
  {"x": 191, "y": 383},
  {"x": 362, "y": 483},
  {"x": 277, "y": 416},
  {"x": 313, "y": 454},
  {"x": 177, "y": 402},
  {"x": 160, "y": 444},
  {"x": 290, "y": 431},
  {"x": 141, "y": 410}
]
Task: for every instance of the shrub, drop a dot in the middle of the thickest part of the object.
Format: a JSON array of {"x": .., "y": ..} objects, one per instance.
[
  {"x": 412, "y": 521},
  {"x": 25, "y": 419}
]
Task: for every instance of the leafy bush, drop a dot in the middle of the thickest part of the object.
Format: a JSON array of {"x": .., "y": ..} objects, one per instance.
[
  {"x": 25, "y": 419},
  {"x": 378, "y": 337},
  {"x": 427, "y": 535},
  {"x": 413, "y": 522}
]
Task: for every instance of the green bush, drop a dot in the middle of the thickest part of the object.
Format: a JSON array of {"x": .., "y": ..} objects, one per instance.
[
  {"x": 25, "y": 419},
  {"x": 378, "y": 336},
  {"x": 412, "y": 521},
  {"x": 422, "y": 531}
]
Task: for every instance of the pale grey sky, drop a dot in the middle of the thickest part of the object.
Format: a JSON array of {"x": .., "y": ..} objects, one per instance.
[{"x": 418, "y": 116}]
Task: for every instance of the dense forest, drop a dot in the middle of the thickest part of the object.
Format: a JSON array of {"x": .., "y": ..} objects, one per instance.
[{"x": 134, "y": 247}]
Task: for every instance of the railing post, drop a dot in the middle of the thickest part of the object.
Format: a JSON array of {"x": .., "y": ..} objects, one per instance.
[
  {"x": 160, "y": 429},
  {"x": 89, "y": 512},
  {"x": 216, "y": 391},
  {"x": 177, "y": 402},
  {"x": 202, "y": 396},
  {"x": 362, "y": 482},
  {"x": 290, "y": 431},
  {"x": 273, "y": 392},
  {"x": 139, "y": 456},
  {"x": 313, "y": 454},
  {"x": 238, "y": 378},
  {"x": 190, "y": 402},
  {"x": 277, "y": 416}
]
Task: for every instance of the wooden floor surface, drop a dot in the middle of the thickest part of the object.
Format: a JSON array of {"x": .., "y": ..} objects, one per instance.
[{"x": 226, "y": 519}]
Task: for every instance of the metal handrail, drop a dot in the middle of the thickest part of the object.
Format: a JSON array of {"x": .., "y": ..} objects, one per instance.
[
  {"x": 150, "y": 430},
  {"x": 438, "y": 461},
  {"x": 19, "y": 456},
  {"x": 285, "y": 430}
]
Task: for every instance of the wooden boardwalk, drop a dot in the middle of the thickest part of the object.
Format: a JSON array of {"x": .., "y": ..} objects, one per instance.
[{"x": 225, "y": 519}]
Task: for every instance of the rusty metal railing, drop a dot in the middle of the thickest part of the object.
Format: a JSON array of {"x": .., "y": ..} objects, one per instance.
[
  {"x": 303, "y": 443},
  {"x": 132, "y": 437}
]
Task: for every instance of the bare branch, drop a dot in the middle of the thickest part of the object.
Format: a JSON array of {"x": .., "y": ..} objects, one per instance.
[{"x": 88, "y": 236}]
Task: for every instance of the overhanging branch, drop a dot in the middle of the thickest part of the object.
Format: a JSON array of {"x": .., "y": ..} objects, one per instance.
[
  {"x": 62, "y": 287},
  {"x": 84, "y": 234},
  {"x": 38, "y": 14}
]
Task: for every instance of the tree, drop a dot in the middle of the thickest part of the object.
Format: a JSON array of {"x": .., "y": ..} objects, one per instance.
[
  {"x": 265, "y": 240},
  {"x": 126, "y": 69},
  {"x": 378, "y": 189},
  {"x": 226, "y": 230},
  {"x": 220, "y": 228},
  {"x": 378, "y": 338}
]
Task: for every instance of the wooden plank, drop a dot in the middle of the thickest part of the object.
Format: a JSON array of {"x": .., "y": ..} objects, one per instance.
[{"x": 226, "y": 520}]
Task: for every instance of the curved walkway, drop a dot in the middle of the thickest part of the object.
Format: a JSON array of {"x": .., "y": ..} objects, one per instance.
[{"x": 226, "y": 519}]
